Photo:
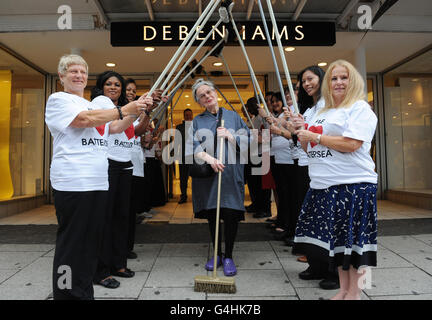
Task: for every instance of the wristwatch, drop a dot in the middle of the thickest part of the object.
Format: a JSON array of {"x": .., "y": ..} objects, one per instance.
[{"x": 318, "y": 139}]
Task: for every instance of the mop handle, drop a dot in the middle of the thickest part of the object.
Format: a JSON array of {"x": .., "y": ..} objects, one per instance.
[
  {"x": 185, "y": 41},
  {"x": 235, "y": 87},
  {"x": 282, "y": 56},
  {"x": 195, "y": 30},
  {"x": 254, "y": 79},
  {"x": 191, "y": 58},
  {"x": 221, "y": 150},
  {"x": 272, "y": 54}
]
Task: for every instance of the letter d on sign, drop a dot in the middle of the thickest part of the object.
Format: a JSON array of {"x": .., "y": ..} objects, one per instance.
[
  {"x": 65, "y": 20},
  {"x": 65, "y": 280}
]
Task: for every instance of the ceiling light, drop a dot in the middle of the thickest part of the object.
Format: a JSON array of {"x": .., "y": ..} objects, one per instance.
[
  {"x": 410, "y": 103},
  {"x": 289, "y": 49},
  {"x": 149, "y": 49},
  {"x": 217, "y": 64},
  {"x": 110, "y": 64},
  {"x": 415, "y": 80},
  {"x": 187, "y": 96},
  {"x": 219, "y": 99},
  {"x": 322, "y": 64},
  {"x": 188, "y": 104}
]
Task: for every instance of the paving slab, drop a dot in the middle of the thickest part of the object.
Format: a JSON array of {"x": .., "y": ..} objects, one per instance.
[
  {"x": 399, "y": 281},
  {"x": 130, "y": 288},
  {"x": 6, "y": 274},
  {"x": 257, "y": 260},
  {"x": 187, "y": 293},
  {"x": 34, "y": 282},
  {"x": 176, "y": 271},
  {"x": 185, "y": 250},
  {"x": 263, "y": 283},
  {"x": 405, "y": 297},
  {"x": 316, "y": 293},
  {"x": 17, "y": 260},
  {"x": 404, "y": 244},
  {"x": 25, "y": 247},
  {"x": 292, "y": 269},
  {"x": 426, "y": 238},
  {"x": 252, "y": 246},
  {"x": 389, "y": 259},
  {"x": 147, "y": 254},
  {"x": 420, "y": 260}
]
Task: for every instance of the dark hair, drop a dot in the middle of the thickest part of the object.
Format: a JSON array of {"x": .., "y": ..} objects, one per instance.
[
  {"x": 269, "y": 93},
  {"x": 185, "y": 110},
  {"x": 278, "y": 96},
  {"x": 252, "y": 106},
  {"x": 304, "y": 100},
  {"x": 100, "y": 82},
  {"x": 129, "y": 80}
]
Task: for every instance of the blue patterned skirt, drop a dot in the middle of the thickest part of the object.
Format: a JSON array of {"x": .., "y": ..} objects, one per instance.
[{"x": 342, "y": 220}]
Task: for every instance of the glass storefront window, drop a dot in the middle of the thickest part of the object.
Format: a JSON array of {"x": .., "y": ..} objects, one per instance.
[
  {"x": 408, "y": 109},
  {"x": 22, "y": 91}
]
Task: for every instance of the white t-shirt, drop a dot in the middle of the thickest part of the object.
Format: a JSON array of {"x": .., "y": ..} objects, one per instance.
[
  {"x": 280, "y": 148},
  {"x": 328, "y": 167},
  {"x": 79, "y": 161},
  {"x": 119, "y": 144},
  {"x": 298, "y": 152},
  {"x": 137, "y": 155}
]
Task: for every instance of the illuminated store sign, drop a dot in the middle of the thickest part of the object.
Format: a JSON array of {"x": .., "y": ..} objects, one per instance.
[{"x": 131, "y": 34}]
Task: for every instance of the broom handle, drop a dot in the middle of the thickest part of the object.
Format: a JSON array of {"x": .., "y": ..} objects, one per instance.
[{"x": 218, "y": 205}]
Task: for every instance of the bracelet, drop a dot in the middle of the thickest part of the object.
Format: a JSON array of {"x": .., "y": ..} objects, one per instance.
[
  {"x": 318, "y": 139},
  {"x": 120, "y": 113}
]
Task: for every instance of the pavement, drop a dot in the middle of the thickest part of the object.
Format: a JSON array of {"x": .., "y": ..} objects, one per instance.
[{"x": 266, "y": 269}]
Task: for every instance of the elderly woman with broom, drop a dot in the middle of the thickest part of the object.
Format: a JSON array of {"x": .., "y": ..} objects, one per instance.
[{"x": 221, "y": 130}]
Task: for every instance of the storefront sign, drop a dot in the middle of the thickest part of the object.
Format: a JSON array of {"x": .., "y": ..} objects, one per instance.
[{"x": 135, "y": 34}]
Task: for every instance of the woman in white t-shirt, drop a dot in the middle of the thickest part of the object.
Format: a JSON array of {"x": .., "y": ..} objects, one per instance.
[
  {"x": 79, "y": 175},
  {"x": 339, "y": 212},
  {"x": 110, "y": 92}
]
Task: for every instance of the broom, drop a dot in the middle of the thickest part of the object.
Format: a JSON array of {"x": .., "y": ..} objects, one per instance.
[{"x": 215, "y": 284}]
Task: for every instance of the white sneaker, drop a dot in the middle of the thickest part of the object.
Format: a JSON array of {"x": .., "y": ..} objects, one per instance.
[{"x": 145, "y": 215}]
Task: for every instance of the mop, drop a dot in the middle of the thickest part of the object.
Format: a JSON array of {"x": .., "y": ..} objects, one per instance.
[{"x": 215, "y": 284}]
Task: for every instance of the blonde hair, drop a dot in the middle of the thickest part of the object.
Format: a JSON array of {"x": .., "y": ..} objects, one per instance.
[
  {"x": 68, "y": 60},
  {"x": 355, "y": 89}
]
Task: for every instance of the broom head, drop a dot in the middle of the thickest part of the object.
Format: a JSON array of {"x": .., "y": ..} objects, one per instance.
[{"x": 214, "y": 284}]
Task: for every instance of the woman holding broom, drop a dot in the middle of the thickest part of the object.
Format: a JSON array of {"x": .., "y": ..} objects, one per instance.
[{"x": 205, "y": 131}]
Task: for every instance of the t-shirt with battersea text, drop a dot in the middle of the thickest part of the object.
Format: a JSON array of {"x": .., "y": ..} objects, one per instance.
[
  {"x": 79, "y": 161},
  {"x": 328, "y": 167},
  {"x": 137, "y": 155},
  {"x": 119, "y": 144}
]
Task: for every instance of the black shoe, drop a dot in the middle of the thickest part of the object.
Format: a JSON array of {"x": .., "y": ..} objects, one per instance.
[
  {"x": 259, "y": 215},
  {"x": 132, "y": 255},
  {"x": 139, "y": 220},
  {"x": 182, "y": 200},
  {"x": 109, "y": 283},
  {"x": 308, "y": 275},
  {"x": 289, "y": 241},
  {"x": 250, "y": 208},
  {"x": 280, "y": 236},
  {"x": 329, "y": 284},
  {"x": 128, "y": 273}
]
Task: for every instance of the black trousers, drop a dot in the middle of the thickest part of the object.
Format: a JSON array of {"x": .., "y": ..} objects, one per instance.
[
  {"x": 136, "y": 206},
  {"x": 114, "y": 251},
  {"x": 154, "y": 180},
  {"x": 230, "y": 230},
  {"x": 283, "y": 175},
  {"x": 184, "y": 177},
  {"x": 261, "y": 198},
  {"x": 78, "y": 241}
]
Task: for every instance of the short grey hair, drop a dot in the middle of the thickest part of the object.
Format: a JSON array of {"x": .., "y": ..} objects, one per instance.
[
  {"x": 201, "y": 82},
  {"x": 68, "y": 60}
]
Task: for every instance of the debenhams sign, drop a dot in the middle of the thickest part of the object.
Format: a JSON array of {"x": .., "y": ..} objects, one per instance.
[{"x": 130, "y": 34}]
